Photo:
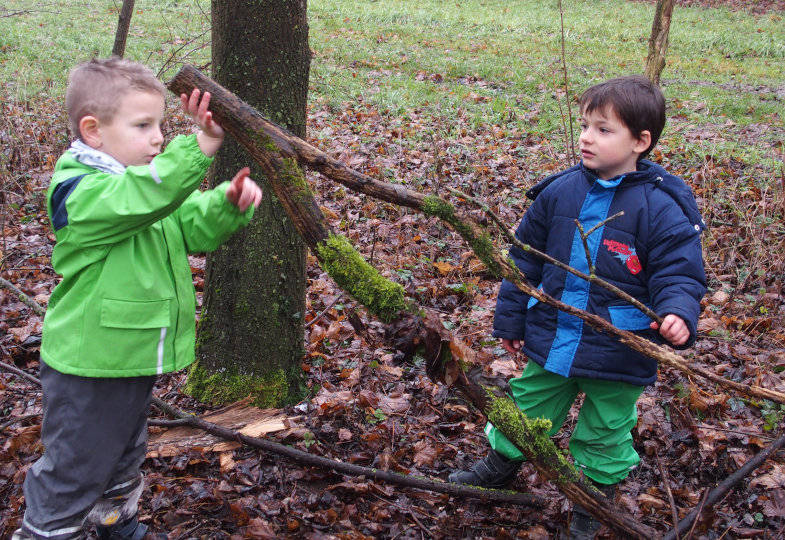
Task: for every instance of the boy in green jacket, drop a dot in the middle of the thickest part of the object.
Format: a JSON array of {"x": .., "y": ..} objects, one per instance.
[{"x": 125, "y": 215}]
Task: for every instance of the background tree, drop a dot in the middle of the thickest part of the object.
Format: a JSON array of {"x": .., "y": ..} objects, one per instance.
[
  {"x": 123, "y": 23},
  {"x": 250, "y": 337},
  {"x": 658, "y": 41}
]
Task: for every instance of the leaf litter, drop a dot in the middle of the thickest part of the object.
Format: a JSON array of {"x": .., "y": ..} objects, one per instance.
[{"x": 370, "y": 410}]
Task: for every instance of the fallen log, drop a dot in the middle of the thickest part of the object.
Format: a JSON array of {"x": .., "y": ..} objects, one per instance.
[
  {"x": 414, "y": 328},
  {"x": 261, "y": 137}
]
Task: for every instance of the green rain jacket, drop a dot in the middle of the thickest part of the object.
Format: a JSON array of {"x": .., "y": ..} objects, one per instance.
[{"x": 125, "y": 306}]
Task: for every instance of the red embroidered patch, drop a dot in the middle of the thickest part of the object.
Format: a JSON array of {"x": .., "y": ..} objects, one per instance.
[{"x": 625, "y": 254}]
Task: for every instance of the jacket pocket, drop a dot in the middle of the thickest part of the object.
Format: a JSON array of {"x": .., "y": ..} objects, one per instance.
[
  {"x": 628, "y": 318},
  {"x": 132, "y": 314}
]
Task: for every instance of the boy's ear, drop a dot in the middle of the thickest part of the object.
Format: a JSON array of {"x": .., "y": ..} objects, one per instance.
[
  {"x": 644, "y": 140},
  {"x": 89, "y": 131}
]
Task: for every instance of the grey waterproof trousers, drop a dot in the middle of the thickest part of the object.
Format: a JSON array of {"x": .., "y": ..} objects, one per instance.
[{"x": 94, "y": 434}]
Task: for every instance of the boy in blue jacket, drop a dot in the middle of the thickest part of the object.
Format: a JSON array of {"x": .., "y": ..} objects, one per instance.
[{"x": 652, "y": 252}]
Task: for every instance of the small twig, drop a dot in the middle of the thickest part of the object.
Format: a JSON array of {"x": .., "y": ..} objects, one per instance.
[
  {"x": 604, "y": 222},
  {"x": 585, "y": 242},
  {"x": 167, "y": 423},
  {"x": 698, "y": 513},
  {"x": 585, "y": 238},
  {"x": 35, "y": 306},
  {"x": 666, "y": 482},
  {"x": 16, "y": 419},
  {"x": 325, "y": 310},
  {"x": 16, "y": 371},
  {"x": 557, "y": 263}
]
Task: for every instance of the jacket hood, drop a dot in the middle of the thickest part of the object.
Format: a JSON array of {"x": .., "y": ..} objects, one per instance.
[{"x": 648, "y": 171}]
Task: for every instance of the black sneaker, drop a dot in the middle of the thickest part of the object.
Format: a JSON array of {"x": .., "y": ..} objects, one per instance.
[
  {"x": 492, "y": 471},
  {"x": 584, "y": 526}
]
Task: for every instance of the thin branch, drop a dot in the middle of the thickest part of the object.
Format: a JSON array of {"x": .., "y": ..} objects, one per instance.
[
  {"x": 325, "y": 310},
  {"x": 16, "y": 419},
  {"x": 557, "y": 263},
  {"x": 666, "y": 482},
  {"x": 723, "y": 487},
  {"x": 35, "y": 306},
  {"x": 698, "y": 513},
  {"x": 455, "y": 490},
  {"x": 16, "y": 371},
  {"x": 571, "y": 148},
  {"x": 586, "y": 251}
]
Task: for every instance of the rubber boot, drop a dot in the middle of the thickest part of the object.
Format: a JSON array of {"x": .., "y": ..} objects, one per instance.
[{"x": 492, "y": 471}]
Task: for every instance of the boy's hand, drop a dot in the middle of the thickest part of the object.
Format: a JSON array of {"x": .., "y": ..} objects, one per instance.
[
  {"x": 211, "y": 135},
  {"x": 243, "y": 192},
  {"x": 673, "y": 328},
  {"x": 512, "y": 346}
]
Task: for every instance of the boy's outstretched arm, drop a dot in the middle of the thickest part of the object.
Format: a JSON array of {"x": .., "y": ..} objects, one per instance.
[
  {"x": 210, "y": 135},
  {"x": 243, "y": 192}
]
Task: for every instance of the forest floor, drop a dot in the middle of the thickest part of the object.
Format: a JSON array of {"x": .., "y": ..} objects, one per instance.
[{"x": 370, "y": 410}]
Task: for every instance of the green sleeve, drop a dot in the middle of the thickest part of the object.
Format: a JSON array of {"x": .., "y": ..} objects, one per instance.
[
  {"x": 208, "y": 219},
  {"x": 106, "y": 208}
]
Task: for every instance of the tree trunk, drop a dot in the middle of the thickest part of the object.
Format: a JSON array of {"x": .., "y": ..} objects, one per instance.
[
  {"x": 123, "y": 23},
  {"x": 658, "y": 41},
  {"x": 250, "y": 338}
]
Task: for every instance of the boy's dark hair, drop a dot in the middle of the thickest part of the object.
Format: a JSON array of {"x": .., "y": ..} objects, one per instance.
[{"x": 637, "y": 101}]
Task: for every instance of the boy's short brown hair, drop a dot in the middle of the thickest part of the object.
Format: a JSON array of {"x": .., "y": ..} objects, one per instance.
[
  {"x": 95, "y": 88},
  {"x": 637, "y": 101}
]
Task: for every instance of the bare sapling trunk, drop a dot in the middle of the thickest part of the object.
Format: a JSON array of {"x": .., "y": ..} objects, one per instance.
[
  {"x": 658, "y": 41},
  {"x": 123, "y": 24}
]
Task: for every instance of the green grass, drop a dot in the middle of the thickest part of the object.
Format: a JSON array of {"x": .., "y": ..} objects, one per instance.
[{"x": 498, "y": 62}]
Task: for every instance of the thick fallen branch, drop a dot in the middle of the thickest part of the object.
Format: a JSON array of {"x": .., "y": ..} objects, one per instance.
[
  {"x": 455, "y": 490},
  {"x": 262, "y": 138},
  {"x": 414, "y": 328}
]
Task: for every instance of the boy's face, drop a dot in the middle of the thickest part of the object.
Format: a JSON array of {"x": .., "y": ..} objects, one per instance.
[
  {"x": 133, "y": 136},
  {"x": 607, "y": 145}
]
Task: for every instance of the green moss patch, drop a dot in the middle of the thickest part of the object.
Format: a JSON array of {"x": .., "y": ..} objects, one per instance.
[
  {"x": 272, "y": 390},
  {"x": 480, "y": 244},
  {"x": 531, "y": 437},
  {"x": 339, "y": 258}
]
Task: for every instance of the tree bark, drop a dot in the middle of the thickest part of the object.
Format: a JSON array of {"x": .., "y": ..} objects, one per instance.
[
  {"x": 658, "y": 41},
  {"x": 123, "y": 23},
  {"x": 250, "y": 336}
]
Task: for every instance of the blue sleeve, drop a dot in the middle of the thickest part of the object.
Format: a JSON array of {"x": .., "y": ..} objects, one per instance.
[
  {"x": 509, "y": 321},
  {"x": 677, "y": 280}
]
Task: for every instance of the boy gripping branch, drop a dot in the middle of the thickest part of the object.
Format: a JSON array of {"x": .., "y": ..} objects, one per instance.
[
  {"x": 652, "y": 252},
  {"x": 125, "y": 215}
]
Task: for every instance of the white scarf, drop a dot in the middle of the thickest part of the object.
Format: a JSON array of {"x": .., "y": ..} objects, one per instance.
[{"x": 95, "y": 158}]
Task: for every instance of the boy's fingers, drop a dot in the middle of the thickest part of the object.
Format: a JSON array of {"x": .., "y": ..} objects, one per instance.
[
  {"x": 204, "y": 104},
  {"x": 193, "y": 101}
]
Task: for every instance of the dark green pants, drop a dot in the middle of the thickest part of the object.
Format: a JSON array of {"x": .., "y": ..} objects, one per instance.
[{"x": 601, "y": 443}]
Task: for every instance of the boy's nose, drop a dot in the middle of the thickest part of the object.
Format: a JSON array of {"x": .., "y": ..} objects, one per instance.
[{"x": 158, "y": 137}]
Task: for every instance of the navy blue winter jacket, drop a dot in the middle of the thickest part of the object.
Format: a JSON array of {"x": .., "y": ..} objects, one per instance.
[{"x": 652, "y": 252}]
